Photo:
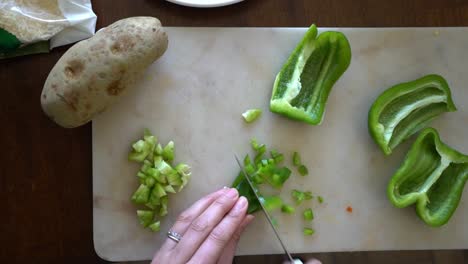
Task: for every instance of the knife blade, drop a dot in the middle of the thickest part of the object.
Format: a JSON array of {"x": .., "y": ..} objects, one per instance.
[{"x": 247, "y": 177}]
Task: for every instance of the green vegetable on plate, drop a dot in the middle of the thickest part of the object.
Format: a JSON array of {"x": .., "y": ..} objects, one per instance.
[
  {"x": 406, "y": 108},
  {"x": 251, "y": 115},
  {"x": 432, "y": 177},
  {"x": 302, "y": 86}
]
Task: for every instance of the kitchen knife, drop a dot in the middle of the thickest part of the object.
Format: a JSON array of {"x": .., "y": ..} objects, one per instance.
[{"x": 247, "y": 177}]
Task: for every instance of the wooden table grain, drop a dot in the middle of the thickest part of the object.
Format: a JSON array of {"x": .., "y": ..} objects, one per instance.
[{"x": 45, "y": 172}]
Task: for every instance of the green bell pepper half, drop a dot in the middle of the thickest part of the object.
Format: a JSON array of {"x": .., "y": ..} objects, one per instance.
[
  {"x": 432, "y": 176},
  {"x": 302, "y": 86},
  {"x": 406, "y": 108}
]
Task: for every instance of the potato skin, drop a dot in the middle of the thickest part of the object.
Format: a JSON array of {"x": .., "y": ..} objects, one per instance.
[{"x": 94, "y": 73}]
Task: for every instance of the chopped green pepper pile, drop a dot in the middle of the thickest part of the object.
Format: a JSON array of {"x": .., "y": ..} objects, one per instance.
[
  {"x": 269, "y": 170},
  {"x": 157, "y": 178}
]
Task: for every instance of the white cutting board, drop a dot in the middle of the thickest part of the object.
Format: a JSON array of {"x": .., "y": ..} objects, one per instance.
[{"x": 195, "y": 95}]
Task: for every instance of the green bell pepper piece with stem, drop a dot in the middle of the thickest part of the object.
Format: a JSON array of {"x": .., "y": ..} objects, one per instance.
[
  {"x": 406, "y": 108},
  {"x": 302, "y": 86},
  {"x": 432, "y": 176}
]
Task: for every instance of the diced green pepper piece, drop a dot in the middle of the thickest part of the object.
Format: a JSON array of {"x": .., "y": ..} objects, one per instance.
[
  {"x": 287, "y": 209},
  {"x": 302, "y": 86},
  {"x": 296, "y": 159},
  {"x": 157, "y": 160},
  {"x": 159, "y": 190},
  {"x": 169, "y": 189},
  {"x": 141, "y": 195},
  {"x": 406, "y": 108},
  {"x": 143, "y": 148},
  {"x": 154, "y": 199},
  {"x": 260, "y": 153},
  {"x": 320, "y": 199},
  {"x": 168, "y": 152},
  {"x": 432, "y": 176},
  {"x": 150, "y": 181},
  {"x": 303, "y": 170},
  {"x": 299, "y": 196},
  {"x": 278, "y": 157},
  {"x": 145, "y": 217},
  {"x": 163, "y": 209},
  {"x": 174, "y": 179},
  {"x": 275, "y": 176},
  {"x": 308, "y": 231},
  {"x": 184, "y": 172},
  {"x": 155, "y": 226},
  {"x": 146, "y": 165},
  {"x": 182, "y": 169},
  {"x": 158, "y": 151},
  {"x": 165, "y": 169},
  {"x": 160, "y": 178},
  {"x": 271, "y": 202},
  {"x": 140, "y": 151},
  {"x": 308, "y": 214},
  {"x": 254, "y": 144},
  {"x": 251, "y": 115}
]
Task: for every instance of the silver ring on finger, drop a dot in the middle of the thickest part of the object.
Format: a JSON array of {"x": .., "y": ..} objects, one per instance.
[{"x": 174, "y": 236}]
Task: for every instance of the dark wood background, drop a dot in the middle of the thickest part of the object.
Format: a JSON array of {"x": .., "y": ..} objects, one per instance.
[{"x": 45, "y": 172}]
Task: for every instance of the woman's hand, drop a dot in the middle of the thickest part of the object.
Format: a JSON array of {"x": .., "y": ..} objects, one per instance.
[{"x": 210, "y": 230}]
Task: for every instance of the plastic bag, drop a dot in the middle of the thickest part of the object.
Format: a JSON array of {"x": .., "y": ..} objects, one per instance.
[{"x": 33, "y": 26}]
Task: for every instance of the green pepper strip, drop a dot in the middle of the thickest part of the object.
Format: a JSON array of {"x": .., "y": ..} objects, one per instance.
[
  {"x": 302, "y": 86},
  {"x": 406, "y": 108},
  {"x": 432, "y": 176}
]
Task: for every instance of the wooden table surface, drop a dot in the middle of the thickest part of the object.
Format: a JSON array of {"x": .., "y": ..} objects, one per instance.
[{"x": 45, "y": 179}]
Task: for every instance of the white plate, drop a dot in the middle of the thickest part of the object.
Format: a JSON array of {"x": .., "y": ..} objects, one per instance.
[{"x": 204, "y": 3}]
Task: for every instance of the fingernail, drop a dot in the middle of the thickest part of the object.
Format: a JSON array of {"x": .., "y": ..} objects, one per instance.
[
  {"x": 240, "y": 204},
  {"x": 232, "y": 193}
]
